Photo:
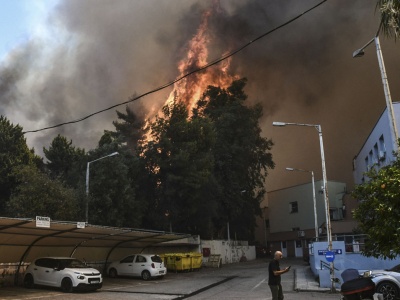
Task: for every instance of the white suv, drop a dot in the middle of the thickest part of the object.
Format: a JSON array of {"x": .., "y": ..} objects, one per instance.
[{"x": 67, "y": 273}]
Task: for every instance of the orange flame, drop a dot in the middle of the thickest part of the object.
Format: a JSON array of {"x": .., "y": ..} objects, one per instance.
[{"x": 190, "y": 89}]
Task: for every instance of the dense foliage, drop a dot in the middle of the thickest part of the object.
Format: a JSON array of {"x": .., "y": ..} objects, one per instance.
[
  {"x": 379, "y": 209},
  {"x": 390, "y": 17}
]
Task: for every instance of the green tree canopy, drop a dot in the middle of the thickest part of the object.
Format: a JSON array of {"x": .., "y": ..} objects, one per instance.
[
  {"x": 379, "y": 209},
  {"x": 180, "y": 162},
  {"x": 37, "y": 195},
  {"x": 390, "y": 17},
  {"x": 130, "y": 129},
  {"x": 241, "y": 156},
  {"x": 64, "y": 159},
  {"x": 13, "y": 152}
]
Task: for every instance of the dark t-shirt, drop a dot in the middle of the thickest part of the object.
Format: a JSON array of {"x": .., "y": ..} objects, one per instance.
[{"x": 274, "y": 266}]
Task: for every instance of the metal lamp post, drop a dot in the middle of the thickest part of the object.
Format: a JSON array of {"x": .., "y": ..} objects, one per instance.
[
  {"x": 314, "y": 200},
  {"x": 325, "y": 189},
  {"x": 87, "y": 183},
  {"x": 389, "y": 104}
]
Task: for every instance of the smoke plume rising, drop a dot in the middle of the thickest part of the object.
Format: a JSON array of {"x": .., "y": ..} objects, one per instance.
[{"x": 99, "y": 53}]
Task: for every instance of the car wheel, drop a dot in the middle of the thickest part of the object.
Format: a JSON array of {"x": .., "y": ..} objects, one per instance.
[
  {"x": 28, "y": 281},
  {"x": 146, "y": 275},
  {"x": 66, "y": 285},
  {"x": 113, "y": 273},
  {"x": 388, "y": 290}
]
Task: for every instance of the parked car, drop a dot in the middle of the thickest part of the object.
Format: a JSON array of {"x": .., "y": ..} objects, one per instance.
[
  {"x": 387, "y": 282},
  {"x": 67, "y": 273},
  {"x": 145, "y": 266}
]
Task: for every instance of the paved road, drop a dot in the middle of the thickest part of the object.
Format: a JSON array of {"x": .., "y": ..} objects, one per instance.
[{"x": 246, "y": 280}]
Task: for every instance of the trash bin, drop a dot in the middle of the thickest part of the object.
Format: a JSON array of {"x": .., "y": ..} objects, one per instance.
[
  {"x": 183, "y": 261},
  {"x": 196, "y": 261}
]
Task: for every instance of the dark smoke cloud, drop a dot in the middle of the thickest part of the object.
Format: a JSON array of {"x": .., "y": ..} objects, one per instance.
[{"x": 99, "y": 53}]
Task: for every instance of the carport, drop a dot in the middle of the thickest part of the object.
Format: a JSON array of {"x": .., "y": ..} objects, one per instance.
[{"x": 23, "y": 240}]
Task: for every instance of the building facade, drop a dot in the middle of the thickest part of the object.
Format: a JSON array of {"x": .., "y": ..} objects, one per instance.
[
  {"x": 288, "y": 221},
  {"x": 378, "y": 148}
]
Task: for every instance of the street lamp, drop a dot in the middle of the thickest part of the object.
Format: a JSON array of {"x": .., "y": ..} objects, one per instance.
[
  {"x": 389, "y": 104},
  {"x": 87, "y": 183},
  {"x": 314, "y": 200},
  {"x": 325, "y": 189}
]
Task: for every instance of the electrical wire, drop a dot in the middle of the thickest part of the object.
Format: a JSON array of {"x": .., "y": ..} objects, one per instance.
[{"x": 212, "y": 63}]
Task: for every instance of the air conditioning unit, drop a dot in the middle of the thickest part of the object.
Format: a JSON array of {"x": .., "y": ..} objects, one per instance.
[
  {"x": 301, "y": 233},
  {"x": 382, "y": 155}
]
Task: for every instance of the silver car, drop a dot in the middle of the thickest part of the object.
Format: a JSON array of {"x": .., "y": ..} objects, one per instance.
[
  {"x": 387, "y": 282},
  {"x": 146, "y": 266},
  {"x": 67, "y": 273}
]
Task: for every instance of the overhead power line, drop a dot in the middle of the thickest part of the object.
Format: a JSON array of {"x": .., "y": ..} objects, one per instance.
[{"x": 212, "y": 63}]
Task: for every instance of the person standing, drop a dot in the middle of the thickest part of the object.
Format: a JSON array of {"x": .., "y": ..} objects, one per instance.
[{"x": 274, "y": 280}]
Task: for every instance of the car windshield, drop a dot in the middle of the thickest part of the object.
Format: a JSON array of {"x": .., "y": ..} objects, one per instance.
[
  {"x": 72, "y": 263},
  {"x": 156, "y": 258},
  {"x": 395, "y": 269}
]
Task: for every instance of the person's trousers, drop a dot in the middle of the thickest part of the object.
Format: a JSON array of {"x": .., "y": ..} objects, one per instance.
[{"x": 277, "y": 293}]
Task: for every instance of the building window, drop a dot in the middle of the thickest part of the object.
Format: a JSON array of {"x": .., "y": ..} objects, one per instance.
[
  {"x": 376, "y": 154},
  {"x": 266, "y": 223},
  {"x": 382, "y": 149},
  {"x": 371, "y": 158},
  {"x": 382, "y": 146},
  {"x": 293, "y": 207}
]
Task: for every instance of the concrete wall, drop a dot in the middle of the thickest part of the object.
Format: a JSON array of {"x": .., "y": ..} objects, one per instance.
[{"x": 230, "y": 251}]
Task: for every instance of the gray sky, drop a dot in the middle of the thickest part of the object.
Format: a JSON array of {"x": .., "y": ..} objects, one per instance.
[{"x": 75, "y": 57}]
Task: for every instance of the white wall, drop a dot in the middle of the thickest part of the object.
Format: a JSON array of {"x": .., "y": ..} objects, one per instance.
[{"x": 230, "y": 251}]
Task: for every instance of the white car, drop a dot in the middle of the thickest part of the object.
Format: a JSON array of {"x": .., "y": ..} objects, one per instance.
[
  {"x": 387, "y": 282},
  {"x": 67, "y": 273},
  {"x": 145, "y": 266}
]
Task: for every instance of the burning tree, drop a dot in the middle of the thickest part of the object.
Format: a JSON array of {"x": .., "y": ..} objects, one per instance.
[{"x": 201, "y": 165}]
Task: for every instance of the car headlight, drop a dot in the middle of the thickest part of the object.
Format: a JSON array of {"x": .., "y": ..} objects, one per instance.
[{"x": 80, "y": 276}]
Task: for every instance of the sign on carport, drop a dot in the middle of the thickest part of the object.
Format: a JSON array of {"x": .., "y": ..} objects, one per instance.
[{"x": 43, "y": 222}]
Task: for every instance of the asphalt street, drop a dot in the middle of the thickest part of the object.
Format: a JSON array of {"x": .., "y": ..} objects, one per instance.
[{"x": 245, "y": 280}]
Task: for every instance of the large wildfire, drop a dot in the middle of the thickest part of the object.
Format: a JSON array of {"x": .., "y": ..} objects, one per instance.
[{"x": 189, "y": 89}]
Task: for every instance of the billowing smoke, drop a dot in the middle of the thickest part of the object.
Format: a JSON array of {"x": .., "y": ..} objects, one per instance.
[{"x": 98, "y": 53}]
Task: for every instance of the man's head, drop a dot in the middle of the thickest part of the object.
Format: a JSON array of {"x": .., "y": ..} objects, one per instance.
[{"x": 278, "y": 255}]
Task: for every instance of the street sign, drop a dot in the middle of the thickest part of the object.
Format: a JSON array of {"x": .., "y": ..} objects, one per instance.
[
  {"x": 336, "y": 251},
  {"x": 330, "y": 256}
]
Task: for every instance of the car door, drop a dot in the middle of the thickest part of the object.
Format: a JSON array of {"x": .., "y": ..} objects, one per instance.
[
  {"x": 125, "y": 266},
  {"x": 44, "y": 272},
  {"x": 139, "y": 265}
]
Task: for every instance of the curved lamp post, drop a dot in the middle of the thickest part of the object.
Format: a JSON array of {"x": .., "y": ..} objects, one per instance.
[
  {"x": 87, "y": 183},
  {"x": 388, "y": 98},
  {"x": 314, "y": 200},
  {"x": 325, "y": 189}
]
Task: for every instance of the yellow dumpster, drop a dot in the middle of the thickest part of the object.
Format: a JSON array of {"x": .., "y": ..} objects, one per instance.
[
  {"x": 196, "y": 260},
  {"x": 182, "y": 261}
]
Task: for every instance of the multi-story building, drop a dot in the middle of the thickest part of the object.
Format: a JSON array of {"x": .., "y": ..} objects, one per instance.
[
  {"x": 290, "y": 216},
  {"x": 378, "y": 148},
  {"x": 287, "y": 223}
]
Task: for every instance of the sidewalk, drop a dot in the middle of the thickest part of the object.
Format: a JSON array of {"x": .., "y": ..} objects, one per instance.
[{"x": 305, "y": 281}]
